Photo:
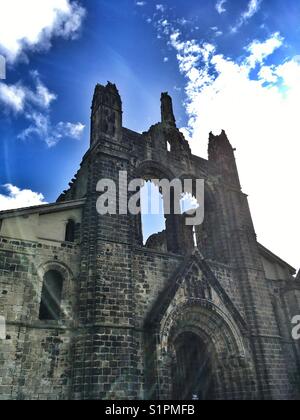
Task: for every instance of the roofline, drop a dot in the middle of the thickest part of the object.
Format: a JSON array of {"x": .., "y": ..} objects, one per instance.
[
  {"x": 270, "y": 254},
  {"x": 132, "y": 131},
  {"x": 42, "y": 209},
  {"x": 65, "y": 205}
]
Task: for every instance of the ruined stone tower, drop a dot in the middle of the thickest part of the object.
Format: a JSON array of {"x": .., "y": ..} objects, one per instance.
[{"x": 93, "y": 313}]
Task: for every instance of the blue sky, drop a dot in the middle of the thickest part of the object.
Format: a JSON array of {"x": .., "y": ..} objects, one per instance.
[{"x": 231, "y": 64}]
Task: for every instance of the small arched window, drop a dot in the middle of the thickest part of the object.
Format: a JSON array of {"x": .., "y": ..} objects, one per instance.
[
  {"x": 70, "y": 231},
  {"x": 50, "y": 308}
]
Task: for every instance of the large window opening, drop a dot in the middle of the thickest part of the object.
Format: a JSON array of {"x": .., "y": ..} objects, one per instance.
[
  {"x": 153, "y": 217},
  {"x": 164, "y": 227},
  {"x": 50, "y": 308},
  {"x": 192, "y": 369},
  {"x": 189, "y": 205}
]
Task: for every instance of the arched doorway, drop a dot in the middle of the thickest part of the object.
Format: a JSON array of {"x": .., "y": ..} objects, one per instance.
[{"x": 192, "y": 375}]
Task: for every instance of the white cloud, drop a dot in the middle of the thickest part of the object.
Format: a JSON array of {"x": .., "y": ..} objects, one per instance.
[
  {"x": 15, "y": 198},
  {"x": 35, "y": 104},
  {"x": 42, "y": 97},
  {"x": 31, "y": 24},
  {"x": 17, "y": 97},
  {"x": 141, "y": 3},
  {"x": 160, "y": 8},
  {"x": 261, "y": 50},
  {"x": 166, "y": 59},
  {"x": 71, "y": 130},
  {"x": 163, "y": 26},
  {"x": 220, "y": 6},
  {"x": 266, "y": 73},
  {"x": 183, "y": 21},
  {"x": 42, "y": 128},
  {"x": 12, "y": 96},
  {"x": 252, "y": 9},
  {"x": 260, "y": 116},
  {"x": 216, "y": 31}
]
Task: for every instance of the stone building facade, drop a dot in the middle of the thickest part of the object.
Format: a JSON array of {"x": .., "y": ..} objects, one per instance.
[{"x": 93, "y": 313}]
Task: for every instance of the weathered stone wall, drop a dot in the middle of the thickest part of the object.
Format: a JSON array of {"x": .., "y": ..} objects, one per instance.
[
  {"x": 151, "y": 273},
  {"x": 35, "y": 357}
]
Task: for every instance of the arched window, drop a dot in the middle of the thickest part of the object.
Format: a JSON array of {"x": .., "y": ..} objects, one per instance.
[
  {"x": 50, "y": 309},
  {"x": 70, "y": 231}
]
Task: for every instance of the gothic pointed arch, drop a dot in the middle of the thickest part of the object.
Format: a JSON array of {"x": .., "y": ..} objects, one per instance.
[
  {"x": 153, "y": 169},
  {"x": 194, "y": 304},
  {"x": 192, "y": 263}
]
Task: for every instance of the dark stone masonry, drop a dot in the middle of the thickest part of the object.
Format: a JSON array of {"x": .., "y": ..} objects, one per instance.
[{"x": 93, "y": 313}]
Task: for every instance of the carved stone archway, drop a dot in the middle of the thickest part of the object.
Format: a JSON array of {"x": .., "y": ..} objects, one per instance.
[{"x": 228, "y": 366}]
